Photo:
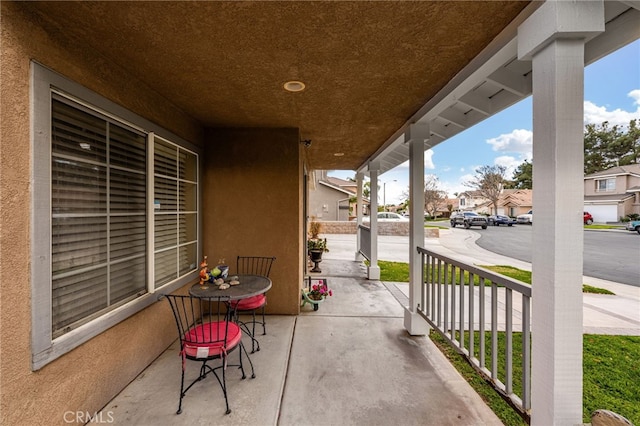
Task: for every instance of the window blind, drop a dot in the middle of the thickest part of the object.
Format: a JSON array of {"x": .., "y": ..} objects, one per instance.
[{"x": 98, "y": 213}]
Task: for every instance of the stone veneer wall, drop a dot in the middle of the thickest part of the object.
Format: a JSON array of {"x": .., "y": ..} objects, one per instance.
[{"x": 384, "y": 228}]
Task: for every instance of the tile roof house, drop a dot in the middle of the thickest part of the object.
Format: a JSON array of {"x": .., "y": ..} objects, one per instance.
[{"x": 612, "y": 193}]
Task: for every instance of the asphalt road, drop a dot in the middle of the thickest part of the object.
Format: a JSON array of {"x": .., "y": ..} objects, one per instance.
[{"x": 608, "y": 255}]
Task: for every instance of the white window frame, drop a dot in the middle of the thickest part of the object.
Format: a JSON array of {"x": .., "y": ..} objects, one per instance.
[
  {"x": 44, "y": 348},
  {"x": 607, "y": 187}
]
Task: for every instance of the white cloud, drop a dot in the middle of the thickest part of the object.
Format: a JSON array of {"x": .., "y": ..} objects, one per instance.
[
  {"x": 509, "y": 162},
  {"x": 456, "y": 186},
  {"x": 428, "y": 160},
  {"x": 594, "y": 114},
  {"x": 519, "y": 140}
]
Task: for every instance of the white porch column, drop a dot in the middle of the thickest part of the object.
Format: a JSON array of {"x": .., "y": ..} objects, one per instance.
[
  {"x": 374, "y": 270},
  {"x": 359, "y": 213},
  {"x": 415, "y": 136},
  {"x": 554, "y": 37}
]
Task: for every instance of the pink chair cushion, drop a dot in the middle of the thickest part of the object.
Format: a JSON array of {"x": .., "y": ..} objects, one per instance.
[
  {"x": 250, "y": 303},
  {"x": 211, "y": 337}
]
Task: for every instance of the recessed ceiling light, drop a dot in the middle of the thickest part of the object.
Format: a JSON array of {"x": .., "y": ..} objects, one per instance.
[
  {"x": 338, "y": 154},
  {"x": 294, "y": 86}
]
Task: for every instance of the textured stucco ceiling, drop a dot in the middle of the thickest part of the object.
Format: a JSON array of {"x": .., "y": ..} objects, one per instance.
[{"x": 368, "y": 66}]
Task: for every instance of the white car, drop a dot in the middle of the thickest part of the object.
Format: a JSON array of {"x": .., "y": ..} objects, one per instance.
[
  {"x": 525, "y": 218},
  {"x": 388, "y": 217}
]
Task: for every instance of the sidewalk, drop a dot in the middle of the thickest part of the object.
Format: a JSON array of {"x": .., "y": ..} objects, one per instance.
[{"x": 603, "y": 314}]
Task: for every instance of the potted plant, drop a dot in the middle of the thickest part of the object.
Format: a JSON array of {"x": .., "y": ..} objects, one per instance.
[
  {"x": 316, "y": 245},
  {"x": 316, "y": 293}
]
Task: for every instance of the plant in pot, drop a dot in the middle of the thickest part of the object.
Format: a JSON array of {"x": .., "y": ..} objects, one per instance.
[{"x": 316, "y": 245}]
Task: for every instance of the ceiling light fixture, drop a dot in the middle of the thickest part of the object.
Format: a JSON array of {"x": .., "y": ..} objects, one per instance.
[
  {"x": 338, "y": 154},
  {"x": 294, "y": 86}
]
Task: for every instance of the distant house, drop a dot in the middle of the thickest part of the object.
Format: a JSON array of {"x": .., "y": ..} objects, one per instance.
[
  {"x": 513, "y": 202},
  {"x": 471, "y": 201},
  {"x": 332, "y": 198},
  {"x": 612, "y": 193}
]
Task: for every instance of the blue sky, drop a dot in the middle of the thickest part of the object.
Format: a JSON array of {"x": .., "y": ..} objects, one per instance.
[{"x": 612, "y": 93}]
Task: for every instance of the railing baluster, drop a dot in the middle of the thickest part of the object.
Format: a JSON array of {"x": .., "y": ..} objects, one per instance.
[
  {"x": 432, "y": 286},
  {"x": 461, "y": 296},
  {"x": 446, "y": 297},
  {"x": 494, "y": 331},
  {"x": 481, "y": 308},
  {"x": 526, "y": 352},
  {"x": 472, "y": 314},
  {"x": 438, "y": 314},
  {"x": 508, "y": 369},
  {"x": 454, "y": 278}
]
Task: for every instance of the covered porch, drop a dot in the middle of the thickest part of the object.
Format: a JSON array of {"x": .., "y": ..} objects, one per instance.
[{"x": 350, "y": 362}]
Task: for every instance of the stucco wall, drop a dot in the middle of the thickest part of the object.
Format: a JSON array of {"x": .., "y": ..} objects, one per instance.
[
  {"x": 252, "y": 185},
  {"x": 86, "y": 378}
]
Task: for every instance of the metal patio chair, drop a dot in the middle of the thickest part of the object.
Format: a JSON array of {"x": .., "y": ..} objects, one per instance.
[
  {"x": 206, "y": 334},
  {"x": 254, "y": 265}
]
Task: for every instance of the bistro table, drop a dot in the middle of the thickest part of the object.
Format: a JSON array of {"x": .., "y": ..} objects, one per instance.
[{"x": 250, "y": 285}]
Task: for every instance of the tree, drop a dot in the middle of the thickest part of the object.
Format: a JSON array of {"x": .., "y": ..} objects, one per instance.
[
  {"x": 522, "y": 177},
  {"x": 489, "y": 181},
  {"x": 606, "y": 147},
  {"x": 433, "y": 195}
]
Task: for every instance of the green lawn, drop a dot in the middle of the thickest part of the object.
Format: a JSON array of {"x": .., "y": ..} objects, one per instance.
[
  {"x": 399, "y": 272},
  {"x": 611, "y": 366},
  {"x": 611, "y": 375}
]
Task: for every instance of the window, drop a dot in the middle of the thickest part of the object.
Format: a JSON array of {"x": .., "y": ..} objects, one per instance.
[
  {"x": 115, "y": 214},
  {"x": 606, "y": 185}
]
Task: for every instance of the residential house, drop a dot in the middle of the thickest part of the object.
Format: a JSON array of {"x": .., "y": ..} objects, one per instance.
[
  {"x": 513, "y": 202},
  {"x": 138, "y": 137},
  {"x": 613, "y": 193},
  {"x": 332, "y": 198},
  {"x": 471, "y": 201}
]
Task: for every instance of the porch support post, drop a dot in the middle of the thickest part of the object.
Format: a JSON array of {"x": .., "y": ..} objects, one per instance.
[
  {"x": 415, "y": 136},
  {"x": 553, "y": 38},
  {"x": 373, "y": 272},
  {"x": 359, "y": 213}
]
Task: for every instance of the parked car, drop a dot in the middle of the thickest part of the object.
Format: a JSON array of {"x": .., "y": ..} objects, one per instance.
[
  {"x": 588, "y": 219},
  {"x": 468, "y": 219},
  {"x": 525, "y": 218},
  {"x": 634, "y": 225},
  {"x": 388, "y": 217},
  {"x": 499, "y": 219}
]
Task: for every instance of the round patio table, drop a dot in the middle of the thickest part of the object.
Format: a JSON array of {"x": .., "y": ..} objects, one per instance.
[{"x": 250, "y": 285}]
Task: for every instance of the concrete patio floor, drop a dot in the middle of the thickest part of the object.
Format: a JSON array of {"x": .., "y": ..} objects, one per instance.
[{"x": 349, "y": 363}]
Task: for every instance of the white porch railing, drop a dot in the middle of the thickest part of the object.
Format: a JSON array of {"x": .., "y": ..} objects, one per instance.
[
  {"x": 364, "y": 236},
  {"x": 470, "y": 317}
]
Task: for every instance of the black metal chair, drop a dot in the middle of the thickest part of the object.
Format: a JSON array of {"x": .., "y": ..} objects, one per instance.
[
  {"x": 254, "y": 265},
  {"x": 206, "y": 333}
]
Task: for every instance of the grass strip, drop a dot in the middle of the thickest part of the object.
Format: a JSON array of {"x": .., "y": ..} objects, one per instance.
[
  {"x": 399, "y": 272},
  {"x": 611, "y": 374}
]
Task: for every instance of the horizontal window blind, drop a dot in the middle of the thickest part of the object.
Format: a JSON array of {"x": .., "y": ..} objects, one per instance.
[{"x": 98, "y": 208}]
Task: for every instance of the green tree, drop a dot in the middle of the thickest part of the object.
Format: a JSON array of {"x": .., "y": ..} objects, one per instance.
[
  {"x": 522, "y": 177},
  {"x": 609, "y": 146}
]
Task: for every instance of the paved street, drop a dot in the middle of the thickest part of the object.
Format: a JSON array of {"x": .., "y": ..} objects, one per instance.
[{"x": 609, "y": 255}]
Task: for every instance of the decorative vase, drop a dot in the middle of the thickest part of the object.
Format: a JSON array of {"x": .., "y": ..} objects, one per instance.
[{"x": 316, "y": 257}]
